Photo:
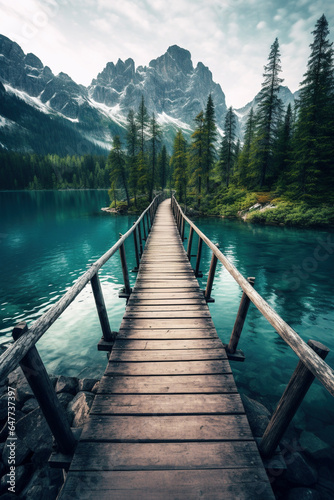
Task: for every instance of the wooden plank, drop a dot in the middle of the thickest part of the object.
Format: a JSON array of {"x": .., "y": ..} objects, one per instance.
[
  {"x": 166, "y": 404},
  {"x": 129, "y": 428},
  {"x": 166, "y": 345},
  {"x": 167, "y": 323},
  {"x": 135, "y": 303},
  {"x": 167, "y": 283},
  {"x": 157, "y": 456},
  {"x": 167, "y": 314},
  {"x": 162, "y": 294},
  {"x": 165, "y": 334},
  {"x": 217, "y": 484},
  {"x": 168, "y": 384},
  {"x": 168, "y": 368},
  {"x": 168, "y": 355}
]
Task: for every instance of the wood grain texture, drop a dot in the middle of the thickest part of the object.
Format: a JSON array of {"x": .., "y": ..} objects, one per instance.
[{"x": 215, "y": 484}]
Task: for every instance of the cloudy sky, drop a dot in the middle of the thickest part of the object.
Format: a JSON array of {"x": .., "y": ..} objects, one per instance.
[{"x": 231, "y": 37}]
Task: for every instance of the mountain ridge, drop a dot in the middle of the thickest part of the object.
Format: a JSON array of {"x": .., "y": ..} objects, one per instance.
[{"x": 173, "y": 89}]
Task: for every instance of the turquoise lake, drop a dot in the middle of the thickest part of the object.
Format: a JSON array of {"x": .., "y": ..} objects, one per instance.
[{"x": 49, "y": 238}]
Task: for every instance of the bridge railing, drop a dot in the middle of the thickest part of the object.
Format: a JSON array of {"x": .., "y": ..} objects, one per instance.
[
  {"x": 24, "y": 353},
  {"x": 311, "y": 354}
]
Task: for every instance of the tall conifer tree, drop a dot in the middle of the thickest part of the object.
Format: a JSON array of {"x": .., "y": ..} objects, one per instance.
[
  {"x": 314, "y": 140},
  {"x": 227, "y": 151},
  {"x": 210, "y": 134},
  {"x": 197, "y": 153},
  {"x": 179, "y": 164},
  {"x": 269, "y": 114}
]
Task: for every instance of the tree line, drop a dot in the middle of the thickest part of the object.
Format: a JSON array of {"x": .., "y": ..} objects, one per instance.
[
  {"x": 290, "y": 152},
  {"x": 31, "y": 171}
]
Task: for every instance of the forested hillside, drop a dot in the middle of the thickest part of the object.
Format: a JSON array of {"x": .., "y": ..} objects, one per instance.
[{"x": 285, "y": 162}]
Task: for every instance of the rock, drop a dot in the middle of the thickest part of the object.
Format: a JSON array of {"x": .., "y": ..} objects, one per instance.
[
  {"x": 303, "y": 494},
  {"x": 20, "y": 448},
  {"x": 95, "y": 387},
  {"x": 23, "y": 392},
  {"x": 299, "y": 471},
  {"x": 86, "y": 384},
  {"x": 79, "y": 407},
  {"x": 34, "y": 431},
  {"x": 22, "y": 474},
  {"x": 4, "y": 431},
  {"x": 65, "y": 398},
  {"x": 4, "y": 407},
  {"x": 314, "y": 445},
  {"x": 258, "y": 415},
  {"x": 30, "y": 405},
  {"x": 66, "y": 384},
  {"x": 15, "y": 377},
  {"x": 45, "y": 480}
]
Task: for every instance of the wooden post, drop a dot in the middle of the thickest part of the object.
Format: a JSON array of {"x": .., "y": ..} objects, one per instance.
[
  {"x": 148, "y": 224},
  {"x": 144, "y": 229},
  {"x": 240, "y": 320},
  {"x": 136, "y": 250},
  {"x": 41, "y": 385},
  {"x": 127, "y": 289},
  {"x": 293, "y": 395},
  {"x": 208, "y": 289},
  {"x": 190, "y": 242},
  {"x": 108, "y": 335},
  {"x": 198, "y": 274},
  {"x": 182, "y": 228},
  {"x": 140, "y": 240}
]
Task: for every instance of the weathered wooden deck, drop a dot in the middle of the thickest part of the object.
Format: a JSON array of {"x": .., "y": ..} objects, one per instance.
[{"x": 167, "y": 421}]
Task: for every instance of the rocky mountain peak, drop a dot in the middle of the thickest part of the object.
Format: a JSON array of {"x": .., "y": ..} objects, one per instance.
[
  {"x": 174, "y": 61},
  {"x": 33, "y": 61}
]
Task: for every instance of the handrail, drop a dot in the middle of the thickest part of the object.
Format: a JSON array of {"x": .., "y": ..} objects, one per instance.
[
  {"x": 320, "y": 369},
  {"x": 14, "y": 354}
]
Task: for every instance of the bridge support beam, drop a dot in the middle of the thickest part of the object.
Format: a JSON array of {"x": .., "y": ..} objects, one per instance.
[{"x": 292, "y": 397}]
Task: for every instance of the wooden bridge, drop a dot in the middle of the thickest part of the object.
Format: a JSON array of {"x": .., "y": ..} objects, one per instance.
[{"x": 167, "y": 421}]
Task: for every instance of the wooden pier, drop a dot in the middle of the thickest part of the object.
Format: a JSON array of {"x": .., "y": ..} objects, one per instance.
[{"x": 167, "y": 421}]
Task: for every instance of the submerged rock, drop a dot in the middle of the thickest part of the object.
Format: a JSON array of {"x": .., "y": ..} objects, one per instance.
[
  {"x": 299, "y": 471},
  {"x": 303, "y": 494},
  {"x": 258, "y": 415},
  {"x": 79, "y": 408},
  {"x": 66, "y": 384}
]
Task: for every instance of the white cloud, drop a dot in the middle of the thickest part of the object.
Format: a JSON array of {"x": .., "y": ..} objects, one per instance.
[
  {"x": 261, "y": 25},
  {"x": 79, "y": 38}
]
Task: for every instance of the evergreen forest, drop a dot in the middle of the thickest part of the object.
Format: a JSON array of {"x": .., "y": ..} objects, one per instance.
[{"x": 281, "y": 172}]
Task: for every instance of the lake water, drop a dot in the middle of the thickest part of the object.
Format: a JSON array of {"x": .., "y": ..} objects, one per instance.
[{"x": 48, "y": 239}]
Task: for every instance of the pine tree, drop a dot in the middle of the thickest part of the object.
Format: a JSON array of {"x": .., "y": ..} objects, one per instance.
[
  {"x": 117, "y": 165},
  {"x": 155, "y": 138},
  {"x": 142, "y": 120},
  {"x": 197, "y": 153},
  {"x": 269, "y": 114},
  {"x": 132, "y": 150},
  {"x": 180, "y": 166},
  {"x": 244, "y": 157},
  {"x": 283, "y": 149},
  {"x": 227, "y": 151},
  {"x": 163, "y": 167},
  {"x": 210, "y": 134},
  {"x": 314, "y": 139}
]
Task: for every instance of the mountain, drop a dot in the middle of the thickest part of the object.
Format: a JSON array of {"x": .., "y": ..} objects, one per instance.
[
  {"x": 285, "y": 95},
  {"x": 47, "y": 113},
  {"x": 84, "y": 119}
]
